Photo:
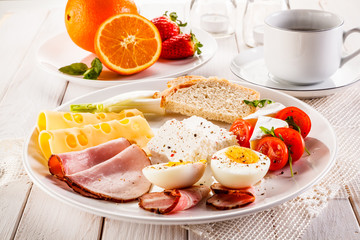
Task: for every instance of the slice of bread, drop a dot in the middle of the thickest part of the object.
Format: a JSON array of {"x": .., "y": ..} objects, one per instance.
[
  {"x": 211, "y": 98},
  {"x": 182, "y": 79}
]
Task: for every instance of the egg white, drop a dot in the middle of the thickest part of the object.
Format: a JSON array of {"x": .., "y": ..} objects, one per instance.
[
  {"x": 175, "y": 176},
  {"x": 232, "y": 174}
]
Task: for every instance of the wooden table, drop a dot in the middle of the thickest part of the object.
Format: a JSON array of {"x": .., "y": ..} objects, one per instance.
[{"x": 29, "y": 213}]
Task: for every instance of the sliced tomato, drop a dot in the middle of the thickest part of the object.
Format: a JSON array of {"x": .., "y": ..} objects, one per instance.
[
  {"x": 293, "y": 140},
  {"x": 243, "y": 130},
  {"x": 276, "y": 150},
  {"x": 299, "y": 116}
]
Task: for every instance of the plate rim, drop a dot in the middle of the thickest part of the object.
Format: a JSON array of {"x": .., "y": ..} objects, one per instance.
[
  {"x": 256, "y": 50},
  {"x": 155, "y": 219},
  {"x": 109, "y": 83}
]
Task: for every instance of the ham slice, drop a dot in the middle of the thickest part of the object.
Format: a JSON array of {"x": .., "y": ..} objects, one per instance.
[
  {"x": 73, "y": 162},
  {"x": 170, "y": 201},
  {"x": 226, "y": 198},
  {"x": 118, "y": 179}
]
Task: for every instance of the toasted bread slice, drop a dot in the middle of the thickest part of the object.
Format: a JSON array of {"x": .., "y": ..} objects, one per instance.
[{"x": 211, "y": 98}]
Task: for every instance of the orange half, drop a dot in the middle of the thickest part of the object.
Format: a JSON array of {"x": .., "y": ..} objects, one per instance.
[{"x": 127, "y": 43}]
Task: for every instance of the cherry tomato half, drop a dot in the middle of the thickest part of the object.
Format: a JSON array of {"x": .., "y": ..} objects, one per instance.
[
  {"x": 293, "y": 140},
  {"x": 243, "y": 130},
  {"x": 276, "y": 150},
  {"x": 300, "y": 118}
]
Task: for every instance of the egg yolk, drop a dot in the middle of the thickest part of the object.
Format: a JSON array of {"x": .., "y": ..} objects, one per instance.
[
  {"x": 173, "y": 164},
  {"x": 241, "y": 155}
]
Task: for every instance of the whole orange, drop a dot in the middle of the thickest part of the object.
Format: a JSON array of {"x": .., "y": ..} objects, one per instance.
[{"x": 83, "y": 18}]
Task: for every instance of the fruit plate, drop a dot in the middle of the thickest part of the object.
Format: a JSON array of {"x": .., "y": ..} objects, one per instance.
[
  {"x": 60, "y": 51},
  {"x": 276, "y": 188}
]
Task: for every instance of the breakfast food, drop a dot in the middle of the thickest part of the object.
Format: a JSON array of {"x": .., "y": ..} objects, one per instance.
[
  {"x": 267, "y": 122},
  {"x": 52, "y": 120},
  {"x": 73, "y": 162},
  {"x": 136, "y": 129},
  {"x": 98, "y": 160},
  {"x": 276, "y": 150},
  {"x": 83, "y": 18},
  {"x": 118, "y": 179},
  {"x": 298, "y": 119},
  {"x": 170, "y": 201},
  {"x": 269, "y": 110},
  {"x": 182, "y": 79},
  {"x": 135, "y": 40},
  {"x": 225, "y": 198},
  {"x": 174, "y": 175},
  {"x": 212, "y": 99},
  {"x": 192, "y": 139},
  {"x": 280, "y": 137},
  {"x": 139, "y": 100},
  {"x": 175, "y": 44},
  {"x": 168, "y": 25},
  {"x": 293, "y": 140},
  {"x": 238, "y": 167},
  {"x": 181, "y": 46}
]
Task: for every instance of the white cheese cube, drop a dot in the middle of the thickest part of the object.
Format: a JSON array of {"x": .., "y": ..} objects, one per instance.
[{"x": 192, "y": 139}]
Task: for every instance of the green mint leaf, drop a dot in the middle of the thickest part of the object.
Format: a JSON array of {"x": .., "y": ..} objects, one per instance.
[
  {"x": 74, "y": 69},
  {"x": 97, "y": 65},
  {"x": 91, "y": 74},
  {"x": 258, "y": 103},
  {"x": 95, "y": 70}
]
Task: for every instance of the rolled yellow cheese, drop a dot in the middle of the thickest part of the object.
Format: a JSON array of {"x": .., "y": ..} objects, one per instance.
[
  {"x": 52, "y": 120},
  {"x": 136, "y": 129}
]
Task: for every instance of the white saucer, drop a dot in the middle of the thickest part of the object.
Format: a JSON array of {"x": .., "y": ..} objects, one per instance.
[{"x": 249, "y": 65}]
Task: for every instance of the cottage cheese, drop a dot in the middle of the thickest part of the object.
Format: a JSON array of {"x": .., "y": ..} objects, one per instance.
[{"x": 192, "y": 139}]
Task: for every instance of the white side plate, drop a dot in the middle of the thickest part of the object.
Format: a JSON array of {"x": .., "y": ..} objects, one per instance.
[{"x": 60, "y": 51}]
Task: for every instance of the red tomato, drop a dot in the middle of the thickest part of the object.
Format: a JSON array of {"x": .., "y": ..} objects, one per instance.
[
  {"x": 300, "y": 118},
  {"x": 243, "y": 131},
  {"x": 276, "y": 150},
  {"x": 293, "y": 140}
]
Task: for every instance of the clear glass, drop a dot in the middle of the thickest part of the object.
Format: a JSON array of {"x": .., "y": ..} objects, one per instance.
[
  {"x": 217, "y": 17},
  {"x": 253, "y": 20}
]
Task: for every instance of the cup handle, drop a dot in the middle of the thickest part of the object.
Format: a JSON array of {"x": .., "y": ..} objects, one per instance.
[{"x": 345, "y": 35}]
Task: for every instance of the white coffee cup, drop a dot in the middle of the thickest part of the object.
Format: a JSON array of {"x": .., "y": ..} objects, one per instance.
[{"x": 304, "y": 46}]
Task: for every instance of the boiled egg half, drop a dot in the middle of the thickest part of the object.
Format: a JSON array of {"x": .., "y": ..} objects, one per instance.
[
  {"x": 173, "y": 175},
  {"x": 239, "y": 167}
]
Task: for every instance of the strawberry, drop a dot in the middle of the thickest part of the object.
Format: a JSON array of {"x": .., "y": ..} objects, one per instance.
[
  {"x": 168, "y": 26},
  {"x": 180, "y": 46}
]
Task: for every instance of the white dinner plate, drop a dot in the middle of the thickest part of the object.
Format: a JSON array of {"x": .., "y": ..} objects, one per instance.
[
  {"x": 276, "y": 188},
  {"x": 60, "y": 51},
  {"x": 250, "y": 66}
]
